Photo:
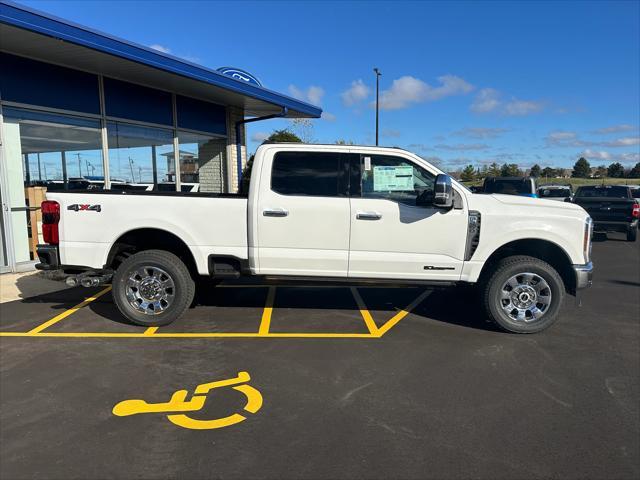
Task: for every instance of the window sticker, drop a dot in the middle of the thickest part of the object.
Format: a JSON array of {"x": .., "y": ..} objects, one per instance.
[
  {"x": 367, "y": 164},
  {"x": 393, "y": 179}
]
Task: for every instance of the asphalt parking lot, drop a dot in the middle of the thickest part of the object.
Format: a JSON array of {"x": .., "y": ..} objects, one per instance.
[{"x": 340, "y": 382}]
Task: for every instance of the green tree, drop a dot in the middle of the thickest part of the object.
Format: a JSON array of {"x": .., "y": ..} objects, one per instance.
[
  {"x": 284, "y": 135},
  {"x": 535, "y": 171},
  {"x": 581, "y": 169},
  {"x": 468, "y": 174},
  {"x": 549, "y": 172},
  {"x": 342, "y": 141},
  {"x": 510, "y": 170},
  {"x": 635, "y": 171},
  {"x": 494, "y": 170},
  {"x": 615, "y": 170}
]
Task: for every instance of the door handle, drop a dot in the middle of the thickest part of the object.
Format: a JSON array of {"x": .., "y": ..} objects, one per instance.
[
  {"x": 368, "y": 216},
  {"x": 275, "y": 212}
]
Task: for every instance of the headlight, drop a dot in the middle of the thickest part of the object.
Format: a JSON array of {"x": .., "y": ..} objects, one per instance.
[{"x": 586, "y": 243}]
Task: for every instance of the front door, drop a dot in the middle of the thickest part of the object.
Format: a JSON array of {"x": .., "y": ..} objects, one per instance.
[
  {"x": 396, "y": 232},
  {"x": 302, "y": 215}
]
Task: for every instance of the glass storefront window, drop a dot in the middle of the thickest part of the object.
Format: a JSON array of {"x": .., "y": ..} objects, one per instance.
[
  {"x": 45, "y": 150},
  {"x": 140, "y": 158},
  {"x": 202, "y": 162}
]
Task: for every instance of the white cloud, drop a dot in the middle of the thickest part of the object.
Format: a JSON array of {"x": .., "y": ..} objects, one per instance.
[
  {"x": 562, "y": 138},
  {"x": 487, "y": 100},
  {"x": 614, "y": 129},
  {"x": 329, "y": 117},
  {"x": 480, "y": 133},
  {"x": 628, "y": 158},
  {"x": 259, "y": 136},
  {"x": 490, "y": 100},
  {"x": 160, "y": 48},
  {"x": 623, "y": 142},
  {"x": 356, "y": 93},
  {"x": 312, "y": 95},
  {"x": 517, "y": 107},
  {"x": 408, "y": 90},
  {"x": 463, "y": 146}
]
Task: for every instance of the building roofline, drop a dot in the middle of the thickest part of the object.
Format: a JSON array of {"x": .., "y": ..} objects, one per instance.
[{"x": 20, "y": 16}]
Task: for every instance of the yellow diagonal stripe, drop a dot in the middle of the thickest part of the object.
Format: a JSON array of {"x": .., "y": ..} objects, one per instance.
[
  {"x": 364, "y": 311},
  {"x": 66, "y": 313},
  {"x": 265, "y": 323}
]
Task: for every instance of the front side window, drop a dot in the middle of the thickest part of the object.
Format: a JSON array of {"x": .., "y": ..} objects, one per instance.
[
  {"x": 396, "y": 179},
  {"x": 306, "y": 173}
]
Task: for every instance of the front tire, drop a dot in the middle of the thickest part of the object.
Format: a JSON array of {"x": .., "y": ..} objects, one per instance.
[
  {"x": 152, "y": 288},
  {"x": 523, "y": 294}
]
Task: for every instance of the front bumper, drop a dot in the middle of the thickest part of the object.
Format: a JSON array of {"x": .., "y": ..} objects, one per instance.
[{"x": 584, "y": 275}]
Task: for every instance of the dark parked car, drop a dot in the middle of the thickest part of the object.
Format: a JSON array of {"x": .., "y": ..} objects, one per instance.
[
  {"x": 612, "y": 208},
  {"x": 524, "y": 186}
]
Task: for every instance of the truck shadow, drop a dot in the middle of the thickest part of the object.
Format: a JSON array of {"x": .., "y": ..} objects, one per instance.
[{"x": 457, "y": 306}]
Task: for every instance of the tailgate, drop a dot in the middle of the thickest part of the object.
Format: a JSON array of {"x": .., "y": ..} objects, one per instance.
[{"x": 607, "y": 209}]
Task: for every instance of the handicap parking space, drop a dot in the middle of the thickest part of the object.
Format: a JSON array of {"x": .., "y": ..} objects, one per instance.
[{"x": 230, "y": 309}]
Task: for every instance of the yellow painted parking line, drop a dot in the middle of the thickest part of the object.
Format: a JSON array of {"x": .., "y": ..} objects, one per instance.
[
  {"x": 151, "y": 330},
  {"x": 185, "y": 335},
  {"x": 402, "y": 313},
  {"x": 364, "y": 311},
  {"x": 66, "y": 313},
  {"x": 265, "y": 322}
]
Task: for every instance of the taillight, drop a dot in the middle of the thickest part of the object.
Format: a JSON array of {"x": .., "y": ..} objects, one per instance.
[
  {"x": 635, "y": 213},
  {"x": 50, "y": 219}
]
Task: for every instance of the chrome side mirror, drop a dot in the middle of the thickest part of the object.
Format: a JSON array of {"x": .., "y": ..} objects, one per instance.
[{"x": 443, "y": 192}]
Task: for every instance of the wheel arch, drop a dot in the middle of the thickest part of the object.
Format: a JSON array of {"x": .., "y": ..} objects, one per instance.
[
  {"x": 141, "y": 239},
  {"x": 545, "y": 250}
]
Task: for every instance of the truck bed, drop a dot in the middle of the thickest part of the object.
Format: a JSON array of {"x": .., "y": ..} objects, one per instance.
[{"x": 91, "y": 221}]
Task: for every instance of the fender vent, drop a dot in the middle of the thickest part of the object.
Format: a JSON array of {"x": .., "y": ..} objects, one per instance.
[{"x": 473, "y": 234}]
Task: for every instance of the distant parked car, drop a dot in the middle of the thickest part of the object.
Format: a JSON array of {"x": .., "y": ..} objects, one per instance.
[
  {"x": 523, "y": 186},
  {"x": 612, "y": 208},
  {"x": 555, "y": 192}
]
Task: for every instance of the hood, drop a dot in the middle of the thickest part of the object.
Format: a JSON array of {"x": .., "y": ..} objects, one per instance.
[{"x": 535, "y": 202}]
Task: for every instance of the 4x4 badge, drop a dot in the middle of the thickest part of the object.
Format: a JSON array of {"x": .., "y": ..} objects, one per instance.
[{"x": 76, "y": 207}]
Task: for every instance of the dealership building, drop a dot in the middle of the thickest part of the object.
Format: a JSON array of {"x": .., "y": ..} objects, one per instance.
[{"x": 80, "y": 109}]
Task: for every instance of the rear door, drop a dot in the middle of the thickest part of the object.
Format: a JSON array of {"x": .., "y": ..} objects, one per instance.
[{"x": 302, "y": 214}]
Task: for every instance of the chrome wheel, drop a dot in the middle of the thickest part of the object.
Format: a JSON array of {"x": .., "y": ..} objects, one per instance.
[
  {"x": 150, "y": 290},
  {"x": 525, "y": 297}
]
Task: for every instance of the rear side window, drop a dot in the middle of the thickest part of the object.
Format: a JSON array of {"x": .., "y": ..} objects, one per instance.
[{"x": 315, "y": 174}]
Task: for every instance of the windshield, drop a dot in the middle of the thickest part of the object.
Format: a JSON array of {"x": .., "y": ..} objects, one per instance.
[
  {"x": 554, "y": 192},
  {"x": 603, "y": 191}
]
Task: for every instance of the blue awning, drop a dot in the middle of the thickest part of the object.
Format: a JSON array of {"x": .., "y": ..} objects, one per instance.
[{"x": 35, "y": 34}]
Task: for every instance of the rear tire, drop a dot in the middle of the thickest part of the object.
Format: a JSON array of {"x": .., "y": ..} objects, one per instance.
[
  {"x": 523, "y": 294},
  {"x": 152, "y": 288},
  {"x": 632, "y": 234}
]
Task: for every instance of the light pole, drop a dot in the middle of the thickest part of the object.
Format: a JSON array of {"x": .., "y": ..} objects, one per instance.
[{"x": 377, "y": 72}]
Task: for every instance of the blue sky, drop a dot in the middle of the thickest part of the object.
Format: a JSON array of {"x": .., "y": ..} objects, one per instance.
[{"x": 463, "y": 82}]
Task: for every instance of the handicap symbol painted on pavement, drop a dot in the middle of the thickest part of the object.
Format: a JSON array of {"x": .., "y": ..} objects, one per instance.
[{"x": 179, "y": 403}]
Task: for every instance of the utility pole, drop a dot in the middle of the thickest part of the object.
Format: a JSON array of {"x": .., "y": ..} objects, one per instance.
[
  {"x": 39, "y": 168},
  {"x": 378, "y": 73},
  {"x": 133, "y": 179},
  {"x": 79, "y": 165}
]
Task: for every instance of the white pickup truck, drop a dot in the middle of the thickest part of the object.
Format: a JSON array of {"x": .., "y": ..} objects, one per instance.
[{"x": 324, "y": 212}]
